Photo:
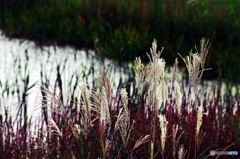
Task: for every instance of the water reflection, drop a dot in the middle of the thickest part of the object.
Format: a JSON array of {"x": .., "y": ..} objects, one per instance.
[{"x": 22, "y": 60}]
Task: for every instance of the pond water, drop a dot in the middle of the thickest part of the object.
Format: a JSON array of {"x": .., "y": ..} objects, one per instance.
[{"x": 22, "y": 58}]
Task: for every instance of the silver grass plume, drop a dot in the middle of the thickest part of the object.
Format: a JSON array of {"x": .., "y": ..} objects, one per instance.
[
  {"x": 195, "y": 63},
  {"x": 53, "y": 101},
  {"x": 178, "y": 96},
  {"x": 123, "y": 121},
  {"x": 102, "y": 99},
  {"x": 86, "y": 111},
  {"x": 155, "y": 77},
  {"x": 163, "y": 127},
  {"x": 139, "y": 74}
]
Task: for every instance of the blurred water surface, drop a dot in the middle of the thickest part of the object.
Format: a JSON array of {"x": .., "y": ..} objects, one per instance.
[{"x": 22, "y": 59}]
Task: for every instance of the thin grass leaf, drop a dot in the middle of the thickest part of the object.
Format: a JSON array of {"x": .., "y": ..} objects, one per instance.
[{"x": 141, "y": 140}]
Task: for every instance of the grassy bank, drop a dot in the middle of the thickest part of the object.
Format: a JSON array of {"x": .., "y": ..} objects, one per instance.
[
  {"x": 160, "y": 118},
  {"x": 122, "y": 29}
]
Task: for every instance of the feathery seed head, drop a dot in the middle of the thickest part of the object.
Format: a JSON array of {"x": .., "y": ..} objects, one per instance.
[
  {"x": 159, "y": 68},
  {"x": 123, "y": 119},
  {"x": 105, "y": 112},
  {"x": 86, "y": 111},
  {"x": 204, "y": 50},
  {"x": 139, "y": 73},
  {"x": 178, "y": 96},
  {"x": 53, "y": 100},
  {"x": 86, "y": 99},
  {"x": 138, "y": 66},
  {"x": 163, "y": 126},
  {"x": 161, "y": 94},
  {"x": 124, "y": 96},
  {"x": 154, "y": 45},
  {"x": 195, "y": 63}
]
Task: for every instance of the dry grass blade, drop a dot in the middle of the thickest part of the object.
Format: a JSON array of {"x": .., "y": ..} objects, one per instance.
[
  {"x": 54, "y": 127},
  {"x": 141, "y": 140},
  {"x": 86, "y": 99},
  {"x": 74, "y": 129},
  {"x": 175, "y": 67},
  {"x": 181, "y": 152},
  {"x": 199, "y": 118},
  {"x": 53, "y": 101}
]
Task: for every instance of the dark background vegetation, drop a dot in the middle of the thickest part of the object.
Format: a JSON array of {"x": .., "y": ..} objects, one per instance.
[{"x": 125, "y": 29}]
